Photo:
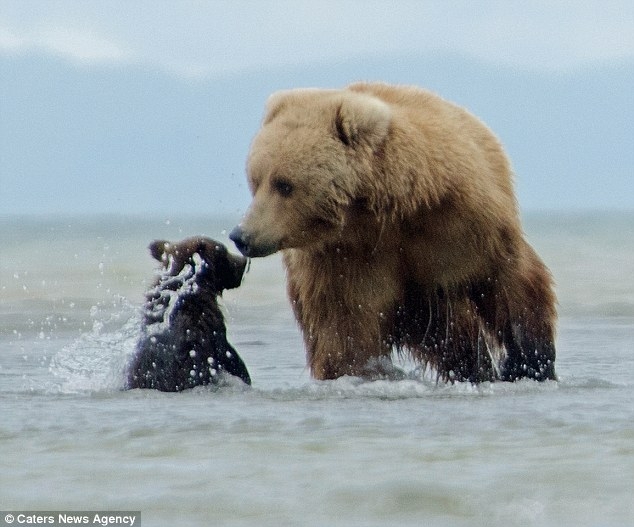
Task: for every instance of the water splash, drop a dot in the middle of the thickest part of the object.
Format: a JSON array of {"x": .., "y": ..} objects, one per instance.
[{"x": 96, "y": 361}]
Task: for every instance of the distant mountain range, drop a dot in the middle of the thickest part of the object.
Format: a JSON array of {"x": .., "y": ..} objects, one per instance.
[{"x": 75, "y": 139}]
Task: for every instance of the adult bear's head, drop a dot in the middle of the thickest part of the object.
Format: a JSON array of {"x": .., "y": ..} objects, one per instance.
[{"x": 308, "y": 163}]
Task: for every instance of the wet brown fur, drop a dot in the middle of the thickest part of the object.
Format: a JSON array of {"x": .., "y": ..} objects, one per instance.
[{"x": 396, "y": 215}]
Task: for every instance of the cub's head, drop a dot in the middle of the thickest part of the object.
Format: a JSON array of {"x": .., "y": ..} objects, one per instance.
[
  {"x": 215, "y": 268},
  {"x": 306, "y": 165}
]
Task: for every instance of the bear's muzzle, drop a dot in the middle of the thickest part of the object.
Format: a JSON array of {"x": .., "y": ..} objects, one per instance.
[{"x": 246, "y": 244}]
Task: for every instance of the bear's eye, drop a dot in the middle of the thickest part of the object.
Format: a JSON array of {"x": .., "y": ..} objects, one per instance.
[{"x": 283, "y": 187}]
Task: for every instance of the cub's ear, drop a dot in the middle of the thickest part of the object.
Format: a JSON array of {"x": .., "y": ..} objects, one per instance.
[
  {"x": 158, "y": 249},
  {"x": 362, "y": 119}
]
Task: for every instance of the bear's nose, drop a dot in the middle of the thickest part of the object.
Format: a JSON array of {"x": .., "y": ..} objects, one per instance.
[{"x": 237, "y": 236}]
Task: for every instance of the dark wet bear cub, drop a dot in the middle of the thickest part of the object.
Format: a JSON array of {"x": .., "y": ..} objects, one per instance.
[{"x": 183, "y": 340}]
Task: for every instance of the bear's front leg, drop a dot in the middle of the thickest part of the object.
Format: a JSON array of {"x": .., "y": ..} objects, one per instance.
[
  {"x": 345, "y": 311},
  {"x": 348, "y": 344}
]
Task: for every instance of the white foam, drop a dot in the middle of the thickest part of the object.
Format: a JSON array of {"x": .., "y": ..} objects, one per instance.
[
  {"x": 97, "y": 360},
  {"x": 171, "y": 287}
]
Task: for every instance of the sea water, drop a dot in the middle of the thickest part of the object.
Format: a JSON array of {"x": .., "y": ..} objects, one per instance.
[{"x": 291, "y": 450}]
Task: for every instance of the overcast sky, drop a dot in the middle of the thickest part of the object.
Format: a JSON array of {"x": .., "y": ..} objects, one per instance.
[
  {"x": 198, "y": 42},
  {"x": 214, "y": 37}
]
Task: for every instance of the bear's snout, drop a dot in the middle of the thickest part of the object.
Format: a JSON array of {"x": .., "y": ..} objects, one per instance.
[
  {"x": 238, "y": 236},
  {"x": 248, "y": 246}
]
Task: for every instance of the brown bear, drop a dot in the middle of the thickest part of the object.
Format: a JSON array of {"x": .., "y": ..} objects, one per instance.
[
  {"x": 397, "y": 219},
  {"x": 183, "y": 342}
]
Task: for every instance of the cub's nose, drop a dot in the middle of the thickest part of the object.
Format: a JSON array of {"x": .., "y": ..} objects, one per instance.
[
  {"x": 237, "y": 266},
  {"x": 238, "y": 236}
]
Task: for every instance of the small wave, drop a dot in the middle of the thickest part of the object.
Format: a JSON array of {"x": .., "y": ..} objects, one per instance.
[
  {"x": 608, "y": 310},
  {"x": 588, "y": 383},
  {"x": 351, "y": 388},
  {"x": 410, "y": 388}
]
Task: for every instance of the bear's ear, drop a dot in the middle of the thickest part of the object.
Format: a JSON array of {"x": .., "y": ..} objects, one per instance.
[
  {"x": 280, "y": 100},
  {"x": 275, "y": 104},
  {"x": 158, "y": 248},
  {"x": 362, "y": 119}
]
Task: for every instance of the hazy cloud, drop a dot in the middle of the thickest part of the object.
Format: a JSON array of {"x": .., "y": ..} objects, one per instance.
[{"x": 73, "y": 43}]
